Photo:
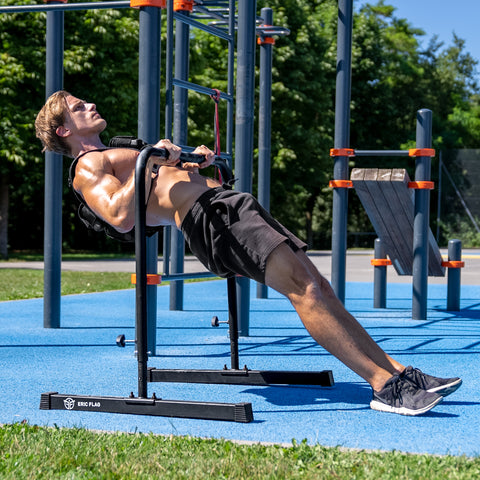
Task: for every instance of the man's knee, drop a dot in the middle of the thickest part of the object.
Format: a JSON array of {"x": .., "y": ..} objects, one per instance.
[{"x": 290, "y": 274}]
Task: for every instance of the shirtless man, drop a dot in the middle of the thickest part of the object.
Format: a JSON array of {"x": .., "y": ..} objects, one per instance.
[{"x": 231, "y": 234}]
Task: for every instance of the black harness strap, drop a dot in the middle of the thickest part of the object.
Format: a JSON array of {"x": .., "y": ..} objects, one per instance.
[{"x": 91, "y": 220}]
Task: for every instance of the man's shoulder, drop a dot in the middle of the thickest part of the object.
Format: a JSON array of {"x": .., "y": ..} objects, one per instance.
[
  {"x": 89, "y": 167},
  {"x": 92, "y": 158},
  {"x": 103, "y": 158}
]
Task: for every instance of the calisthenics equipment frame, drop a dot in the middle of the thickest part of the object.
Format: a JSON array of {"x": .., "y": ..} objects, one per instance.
[{"x": 142, "y": 404}]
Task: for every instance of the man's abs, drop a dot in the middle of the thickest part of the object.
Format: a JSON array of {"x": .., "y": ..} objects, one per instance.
[{"x": 173, "y": 193}]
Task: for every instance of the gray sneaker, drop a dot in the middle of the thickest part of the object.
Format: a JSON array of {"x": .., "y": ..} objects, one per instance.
[
  {"x": 442, "y": 386},
  {"x": 400, "y": 395}
]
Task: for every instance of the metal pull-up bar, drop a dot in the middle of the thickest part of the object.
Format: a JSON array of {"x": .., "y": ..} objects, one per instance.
[{"x": 60, "y": 7}]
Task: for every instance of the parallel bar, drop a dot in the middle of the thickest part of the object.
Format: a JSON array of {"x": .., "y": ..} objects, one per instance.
[
  {"x": 64, "y": 7},
  {"x": 381, "y": 153}
]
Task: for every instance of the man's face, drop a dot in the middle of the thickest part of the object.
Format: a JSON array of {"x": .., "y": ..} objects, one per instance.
[{"x": 82, "y": 118}]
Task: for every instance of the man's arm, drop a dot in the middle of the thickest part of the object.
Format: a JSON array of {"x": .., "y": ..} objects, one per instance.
[
  {"x": 106, "y": 180},
  {"x": 109, "y": 197}
]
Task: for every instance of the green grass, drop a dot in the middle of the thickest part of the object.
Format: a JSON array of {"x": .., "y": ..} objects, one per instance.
[
  {"x": 20, "y": 284},
  {"x": 30, "y": 452},
  {"x": 37, "y": 256}
]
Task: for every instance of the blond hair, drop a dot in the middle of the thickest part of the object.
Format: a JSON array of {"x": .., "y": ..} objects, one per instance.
[{"x": 51, "y": 116}]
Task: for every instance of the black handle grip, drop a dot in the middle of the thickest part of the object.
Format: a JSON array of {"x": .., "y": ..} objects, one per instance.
[{"x": 138, "y": 144}]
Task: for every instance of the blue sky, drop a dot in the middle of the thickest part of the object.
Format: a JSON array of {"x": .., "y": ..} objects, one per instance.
[{"x": 442, "y": 17}]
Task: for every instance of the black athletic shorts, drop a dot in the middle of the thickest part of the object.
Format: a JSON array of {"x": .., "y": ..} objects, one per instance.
[{"x": 230, "y": 233}]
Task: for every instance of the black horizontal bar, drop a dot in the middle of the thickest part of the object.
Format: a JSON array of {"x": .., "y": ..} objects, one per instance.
[
  {"x": 242, "y": 377},
  {"x": 381, "y": 153},
  {"x": 236, "y": 412},
  {"x": 172, "y": 277}
]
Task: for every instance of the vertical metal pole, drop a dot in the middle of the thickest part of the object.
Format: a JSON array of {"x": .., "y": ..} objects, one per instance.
[
  {"x": 379, "y": 278},
  {"x": 141, "y": 293},
  {"x": 244, "y": 129},
  {"x": 421, "y": 221},
  {"x": 53, "y": 181},
  {"x": 167, "y": 231},
  {"x": 439, "y": 199},
  {"x": 149, "y": 131},
  {"x": 264, "y": 127},
  {"x": 180, "y": 135},
  {"x": 230, "y": 76},
  {"x": 341, "y": 140},
  {"x": 454, "y": 274}
]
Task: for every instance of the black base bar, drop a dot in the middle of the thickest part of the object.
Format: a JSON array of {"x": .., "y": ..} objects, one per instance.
[
  {"x": 236, "y": 412},
  {"x": 242, "y": 377}
]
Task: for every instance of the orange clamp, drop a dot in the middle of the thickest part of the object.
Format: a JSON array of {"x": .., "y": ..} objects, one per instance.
[
  {"x": 183, "y": 5},
  {"x": 423, "y": 185},
  {"x": 152, "y": 279},
  {"x": 380, "y": 262},
  {"x": 453, "y": 264},
  {"x": 265, "y": 41},
  {"x": 342, "y": 152},
  {"x": 421, "y": 152},
  {"x": 148, "y": 3},
  {"x": 340, "y": 184}
]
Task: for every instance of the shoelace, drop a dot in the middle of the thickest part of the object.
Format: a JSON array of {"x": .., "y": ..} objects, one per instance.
[
  {"x": 399, "y": 386},
  {"x": 418, "y": 377}
]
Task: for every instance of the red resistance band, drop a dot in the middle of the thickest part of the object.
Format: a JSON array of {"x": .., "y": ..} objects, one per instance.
[{"x": 216, "y": 122}]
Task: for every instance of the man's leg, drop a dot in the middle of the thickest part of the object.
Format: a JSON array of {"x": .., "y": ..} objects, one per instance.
[{"x": 325, "y": 318}]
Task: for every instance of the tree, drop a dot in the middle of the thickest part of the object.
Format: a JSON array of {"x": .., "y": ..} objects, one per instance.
[
  {"x": 20, "y": 82},
  {"x": 100, "y": 62},
  {"x": 392, "y": 77}
]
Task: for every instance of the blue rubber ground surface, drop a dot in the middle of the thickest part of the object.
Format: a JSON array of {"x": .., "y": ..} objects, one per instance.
[{"x": 82, "y": 358}]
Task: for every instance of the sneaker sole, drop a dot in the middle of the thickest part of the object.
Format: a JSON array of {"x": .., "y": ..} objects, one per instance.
[
  {"x": 382, "y": 407},
  {"x": 445, "y": 390}
]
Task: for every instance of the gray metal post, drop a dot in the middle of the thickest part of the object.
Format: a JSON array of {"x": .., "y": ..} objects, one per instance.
[
  {"x": 440, "y": 193},
  {"x": 379, "y": 277},
  {"x": 341, "y": 140},
  {"x": 53, "y": 181},
  {"x": 264, "y": 127},
  {"x": 180, "y": 136},
  {"x": 167, "y": 231},
  {"x": 454, "y": 274},
  {"x": 149, "y": 131},
  {"x": 421, "y": 221},
  {"x": 230, "y": 78},
  {"x": 244, "y": 130}
]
